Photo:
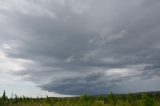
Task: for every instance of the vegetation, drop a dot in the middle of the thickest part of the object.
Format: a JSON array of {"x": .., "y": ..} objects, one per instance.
[{"x": 139, "y": 99}]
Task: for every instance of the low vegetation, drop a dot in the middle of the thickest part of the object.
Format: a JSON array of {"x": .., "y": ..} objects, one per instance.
[{"x": 139, "y": 99}]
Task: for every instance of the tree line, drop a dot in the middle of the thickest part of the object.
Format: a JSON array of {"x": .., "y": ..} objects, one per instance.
[{"x": 139, "y": 99}]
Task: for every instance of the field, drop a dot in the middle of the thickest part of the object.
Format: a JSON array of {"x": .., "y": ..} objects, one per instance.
[{"x": 138, "y": 99}]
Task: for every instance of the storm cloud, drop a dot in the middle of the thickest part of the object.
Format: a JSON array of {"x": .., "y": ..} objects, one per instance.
[{"x": 84, "y": 46}]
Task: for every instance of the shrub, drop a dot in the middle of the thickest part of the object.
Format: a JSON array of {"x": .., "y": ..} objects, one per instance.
[
  {"x": 85, "y": 98},
  {"x": 147, "y": 101},
  {"x": 99, "y": 103}
]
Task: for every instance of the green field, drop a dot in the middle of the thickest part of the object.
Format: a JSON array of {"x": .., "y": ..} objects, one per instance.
[{"x": 138, "y": 99}]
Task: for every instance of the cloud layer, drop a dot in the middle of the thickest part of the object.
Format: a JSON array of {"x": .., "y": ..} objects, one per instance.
[{"x": 85, "y": 46}]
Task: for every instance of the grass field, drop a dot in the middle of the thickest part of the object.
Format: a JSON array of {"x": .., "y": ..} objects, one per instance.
[{"x": 139, "y": 99}]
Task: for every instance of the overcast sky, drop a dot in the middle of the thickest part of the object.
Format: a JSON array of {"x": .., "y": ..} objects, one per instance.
[{"x": 74, "y": 47}]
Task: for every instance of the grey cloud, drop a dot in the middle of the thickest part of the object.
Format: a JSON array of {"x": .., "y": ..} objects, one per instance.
[
  {"x": 83, "y": 37},
  {"x": 95, "y": 83},
  {"x": 92, "y": 84}
]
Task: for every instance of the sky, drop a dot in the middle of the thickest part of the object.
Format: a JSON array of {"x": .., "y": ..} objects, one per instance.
[{"x": 75, "y": 47}]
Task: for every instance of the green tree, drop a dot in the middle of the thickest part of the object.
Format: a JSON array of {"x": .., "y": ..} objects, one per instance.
[
  {"x": 4, "y": 97},
  {"x": 146, "y": 100},
  {"x": 48, "y": 100},
  {"x": 129, "y": 98},
  {"x": 112, "y": 99}
]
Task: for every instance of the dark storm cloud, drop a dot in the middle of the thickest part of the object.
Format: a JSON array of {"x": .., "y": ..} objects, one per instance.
[
  {"x": 95, "y": 83},
  {"x": 78, "y": 85},
  {"x": 75, "y": 44}
]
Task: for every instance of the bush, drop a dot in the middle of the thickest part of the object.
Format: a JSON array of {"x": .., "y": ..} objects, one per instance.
[
  {"x": 147, "y": 101},
  {"x": 99, "y": 103},
  {"x": 85, "y": 98}
]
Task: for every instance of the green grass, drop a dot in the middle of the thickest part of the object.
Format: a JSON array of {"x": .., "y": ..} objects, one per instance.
[{"x": 141, "y": 99}]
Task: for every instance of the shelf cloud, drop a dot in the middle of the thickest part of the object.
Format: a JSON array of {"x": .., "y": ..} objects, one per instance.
[{"x": 79, "y": 47}]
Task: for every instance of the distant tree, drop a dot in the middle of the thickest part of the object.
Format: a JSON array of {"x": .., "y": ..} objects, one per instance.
[
  {"x": 112, "y": 99},
  {"x": 4, "y": 97},
  {"x": 48, "y": 100},
  {"x": 129, "y": 98},
  {"x": 16, "y": 100}
]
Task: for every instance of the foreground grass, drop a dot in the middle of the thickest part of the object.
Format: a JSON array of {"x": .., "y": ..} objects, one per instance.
[{"x": 110, "y": 100}]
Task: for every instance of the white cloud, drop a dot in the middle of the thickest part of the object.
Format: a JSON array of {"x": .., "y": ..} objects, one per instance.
[
  {"x": 5, "y": 46},
  {"x": 122, "y": 72},
  {"x": 27, "y": 7},
  {"x": 10, "y": 65},
  {"x": 79, "y": 7}
]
